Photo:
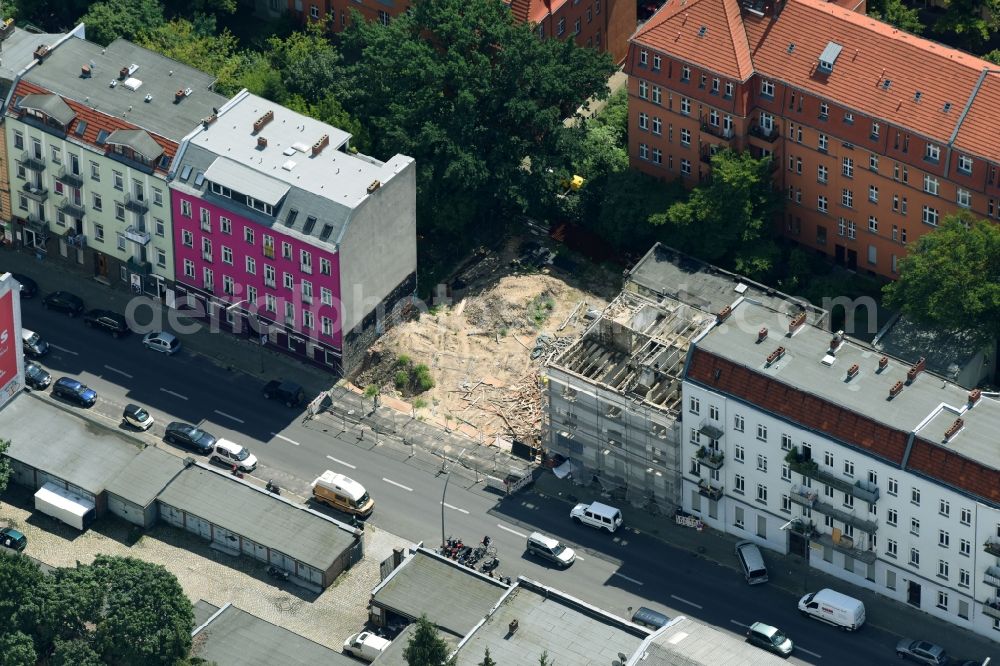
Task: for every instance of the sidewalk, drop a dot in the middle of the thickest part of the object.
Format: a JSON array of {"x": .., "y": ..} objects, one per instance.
[{"x": 785, "y": 572}]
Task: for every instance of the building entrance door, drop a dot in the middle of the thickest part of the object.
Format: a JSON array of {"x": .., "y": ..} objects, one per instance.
[
  {"x": 839, "y": 251},
  {"x": 852, "y": 259},
  {"x": 100, "y": 265},
  {"x": 913, "y": 594}
]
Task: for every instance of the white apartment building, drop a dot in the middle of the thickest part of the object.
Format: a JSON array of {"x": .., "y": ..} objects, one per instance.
[{"x": 882, "y": 473}]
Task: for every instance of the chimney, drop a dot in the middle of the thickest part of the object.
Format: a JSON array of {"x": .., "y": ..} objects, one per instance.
[
  {"x": 723, "y": 314},
  {"x": 796, "y": 322},
  {"x": 179, "y": 95},
  {"x": 912, "y": 373},
  {"x": 512, "y": 627},
  {"x": 374, "y": 186},
  {"x": 762, "y": 334},
  {"x": 775, "y": 355},
  {"x": 258, "y": 124},
  {"x": 953, "y": 430},
  {"x": 895, "y": 390},
  {"x": 41, "y": 52},
  {"x": 262, "y": 142},
  {"x": 838, "y": 338},
  {"x": 123, "y": 73},
  {"x": 208, "y": 120},
  {"x": 974, "y": 396},
  {"x": 323, "y": 142},
  {"x": 883, "y": 363},
  {"x": 853, "y": 371}
]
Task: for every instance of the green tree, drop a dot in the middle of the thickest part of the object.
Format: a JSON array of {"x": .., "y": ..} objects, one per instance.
[
  {"x": 5, "y": 468},
  {"x": 109, "y": 20},
  {"x": 75, "y": 653},
  {"x": 951, "y": 278},
  {"x": 970, "y": 24},
  {"x": 307, "y": 61},
  {"x": 625, "y": 208},
  {"x": 543, "y": 659},
  {"x": 20, "y": 582},
  {"x": 49, "y": 15},
  {"x": 993, "y": 56},
  {"x": 726, "y": 219},
  {"x": 474, "y": 97},
  {"x": 197, "y": 45},
  {"x": 894, "y": 12},
  {"x": 17, "y": 649},
  {"x": 487, "y": 659},
  {"x": 426, "y": 647}
]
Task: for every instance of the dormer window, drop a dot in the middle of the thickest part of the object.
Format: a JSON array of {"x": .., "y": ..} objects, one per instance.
[
  {"x": 767, "y": 88},
  {"x": 932, "y": 152},
  {"x": 824, "y": 110},
  {"x": 685, "y": 73},
  {"x": 221, "y": 190}
]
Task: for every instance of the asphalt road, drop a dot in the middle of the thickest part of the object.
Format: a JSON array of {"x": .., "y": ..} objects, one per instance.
[{"x": 617, "y": 573}]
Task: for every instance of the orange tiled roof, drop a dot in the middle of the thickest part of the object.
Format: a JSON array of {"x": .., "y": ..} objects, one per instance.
[
  {"x": 96, "y": 121},
  {"x": 722, "y": 46},
  {"x": 872, "y": 52},
  {"x": 978, "y": 134},
  {"x": 954, "y": 470},
  {"x": 533, "y": 11}
]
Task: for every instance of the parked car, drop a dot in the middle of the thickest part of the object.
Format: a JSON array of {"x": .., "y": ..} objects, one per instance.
[
  {"x": 770, "y": 638},
  {"x": 921, "y": 652},
  {"x": 106, "y": 320},
  {"x": 36, "y": 377},
  {"x": 365, "y": 646},
  {"x": 32, "y": 344},
  {"x": 232, "y": 454},
  {"x": 63, "y": 301},
  {"x": 550, "y": 549},
  {"x": 74, "y": 391},
  {"x": 289, "y": 393},
  {"x": 190, "y": 437},
  {"x": 137, "y": 417},
  {"x": 649, "y": 618},
  {"x": 11, "y": 538},
  {"x": 597, "y": 515},
  {"x": 29, "y": 288},
  {"x": 163, "y": 342}
]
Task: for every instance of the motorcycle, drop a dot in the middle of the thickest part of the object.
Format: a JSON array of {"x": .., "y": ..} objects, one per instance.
[
  {"x": 272, "y": 487},
  {"x": 275, "y": 572},
  {"x": 490, "y": 566}
]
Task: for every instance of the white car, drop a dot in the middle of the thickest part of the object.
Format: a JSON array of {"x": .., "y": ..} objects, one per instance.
[
  {"x": 366, "y": 646},
  {"x": 231, "y": 454},
  {"x": 161, "y": 341},
  {"x": 598, "y": 515}
]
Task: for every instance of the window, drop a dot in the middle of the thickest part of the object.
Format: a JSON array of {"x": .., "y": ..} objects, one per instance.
[
  {"x": 227, "y": 285},
  {"x": 248, "y": 235},
  {"x": 206, "y": 249},
  {"x": 644, "y": 57},
  {"x": 890, "y": 548},
  {"x": 325, "y": 296},
  {"x": 643, "y": 121},
  {"x": 902, "y": 208},
  {"x": 873, "y": 224},
  {"x": 963, "y": 578},
  {"x": 715, "y": 86},
  {"x": 893, "y": 488},
  {"x": 658, "y": 127},
  {"x": 873, "y": 162},
  {"x": 966, "y": 517},
  {"x": 189, "y": 268},
  {"x": 252, "y": 295},
  {"x": 873, "y": 193},
  {"x": 729, "y": 89},
  {"x": 157, "y": 197},
  {"x": 267, "y": 246},
  {"x": 686, "y": 167},
  {"x": 187, "y": 238},
  {"x": 289, "y": 314},
  {"x": 767, "y": 88},
  {"x": 186, "y": 208},
  {"x": 286, "y": 250},
  {"x": 932, "y": 152},
  {"x": 964, "y": 198},
  {"x": 738, "y": 453},
  {"x": 931, "y": 185},
  {"x": 327, "y": 325},
  {"x": 738, "y": 423},
  {"x": 892, "y": 517},
  {"x": 206, "y": 219},
  {"x": 944, "y": 539},
  {"x": 98, "y": 203},
  {"x": 822, "y": 173},
  {"x": 18, "y": 140},
  {"x": 821, "y": 204},
  {"x": 161, "y": 258},
  {"x": 305, "y": 261},
  {"x": 847, "y": 198},
  {"x": 56, "y": 155},
  {"x": 643, "y": 90},
  {"x": 740, "y": 485},
  {"x": 225, "y": 225},
  {"x": 208, "y": 278},
  {"x": 823, "y": 142},
  {"x": 269, "y": 276},
  {"x": 270, "y": 303},
  {"x": 762, "y": 432},
  {"x": 685, "y": 74},
  {"x": 915, "y": 496},
  {"x": 828, "y": 459},
  {"x": 848, "y": 167},
  {"x": 762, "y": 493},
  {"x": 875, "y": 130},
  {"x": 965, "y": 547},
  {"x": 685, "y": 105},
  {"x": 119, "y": 181},
  {"x": 121, "y": 241},
  {"x": 786, "y": 473},
  {"x": 942, "y": 597},
  {"x": 914, "y": 527},
  {"x": 685, "y": 137},
  {"x": 561, "y": 29},
  {"x": 160, "y": 227},
  {"x": 227, "y": 255},
  {"x": 383, "y": 17},
  {"x": 307, "y": 291},
  {"x": 761, "y": 463},
  {"x": 576, "y": 27},
  {"x": 643, "y": 151},
  {"x": 288, "y": 280},
  {"x": 848, "y": 468},
  {"x": 944, "y": 507},
  {"x": 251, "y": 265},
  {"x": 965, "y": 164},
  {"x": 914, "y": 557},
  {"x": 314, "y": 11}
]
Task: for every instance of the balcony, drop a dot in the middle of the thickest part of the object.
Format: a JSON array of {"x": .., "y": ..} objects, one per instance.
[
  {"x": 706, "y": 489},
  {"x": 808, "y": 497},
  {"x": 137, "y": 236},
  {"x": 710, "y": 429},
  {"x": 67, "y": 177},
  {"x": 36, "y": 192},
  {"x": 139, "y": 266},
  {"x": 992, "y": 576},
  {"x": 992, "y": 546},
  {"x": 718, "y": 131},
  {"x": 32, "y": 162},
  {"x": 711, "y": 458},
  {"x": 769, "y": 135},
  {"x": 37, "y": 224},
  {"x": 846, "y": 546},
  {"x": 73, "y": 210},
  {"x": 809, "y": 468},
  {"x": 136, "y": 204},
  {"x": 991, "y": 607}
]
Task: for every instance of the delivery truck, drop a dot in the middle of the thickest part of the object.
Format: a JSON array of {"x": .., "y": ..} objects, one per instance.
[{"x": 63, "y": 505}]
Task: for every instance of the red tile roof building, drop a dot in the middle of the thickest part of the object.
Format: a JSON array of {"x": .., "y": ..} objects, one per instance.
[
  {"x": 876, "y": 134},
  {"x": 602, "y": 24}
]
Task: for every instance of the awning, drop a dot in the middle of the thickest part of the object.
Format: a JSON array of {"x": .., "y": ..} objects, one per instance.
[{"x": 137, "y": 140}]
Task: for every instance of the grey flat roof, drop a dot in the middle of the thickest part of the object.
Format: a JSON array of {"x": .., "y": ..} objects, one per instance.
[
  {"x": 453, "y": 597},
  {"x": 867, "y": 393},
  {"x": 145, "y": 476},
  {"x": 664, "y": 271},
  {"x": 234, "y": 637},
  {"x": 161, "y": 77},
  {"x": 51, "y": 105},
  {"x": 685, "y": 642},
  {"x": 202, "y": 611},
  {"x": 327, "y": 186},
  {"x": 297, "y": 532},
  {"x": 393, "y": 655},
  {"x": 569, "y": 630},
  {"x": 247, "y": 180},
  {"x": 46, "y": 437},
  {"x": 19, "y": 51}
]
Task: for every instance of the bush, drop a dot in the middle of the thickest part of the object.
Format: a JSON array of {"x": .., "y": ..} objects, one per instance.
[
  {"x": 422, "y": 375},
  {"x": 402, "y": 379}
]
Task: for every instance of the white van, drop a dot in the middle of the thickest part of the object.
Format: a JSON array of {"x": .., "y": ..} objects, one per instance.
[
  {"x": 343, "y": 493},
  {"x": 366, "y": 646},
  {"x": 33, "y": 344},
  {"x": 550, "y": 549},
  {"x": 834, "y": 608},
  {"x": 232, "y": 454},
  {"x": 598, "y": 515},
  {"x": 751, "y": 562}
]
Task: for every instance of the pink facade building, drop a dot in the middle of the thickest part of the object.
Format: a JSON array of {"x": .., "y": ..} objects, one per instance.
[{"x": 282, "y": 234}]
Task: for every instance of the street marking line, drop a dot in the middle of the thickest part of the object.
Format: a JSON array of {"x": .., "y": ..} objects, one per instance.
[
  {"x": 290, "y": 441},
  {"x": 174, "y": 393},
  {"x": 514, "y": 532},
  {"x": 455, "y": 508},
  {"x": 228, "y": 416},
  {"x": 341, "y": 462},
  {"x": 799, "y": 648},
  {"x": 740, "y": 624},
  {"x": 631, "y": 580},
  {"x": 398, "y": 485},
  {"x": 63, "y": 349},
  {"x": 685, "y": 601},
  {"x": 120, "y": 372}
]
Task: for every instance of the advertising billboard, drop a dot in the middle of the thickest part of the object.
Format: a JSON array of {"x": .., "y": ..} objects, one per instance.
[{"x": 11, "y": 357}]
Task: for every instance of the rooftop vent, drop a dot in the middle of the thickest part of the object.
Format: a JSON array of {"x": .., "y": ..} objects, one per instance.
[
  {"x": 374, "y": 186},
  {"x": 132, "y": 84},
  {"x": 838, "y": 338},
  {"x": 723, "y": 314},
  {"x": 886, "y": 83},
  {"x": 883, "y": 363},
  {"x": 796, "y": 322},
  {"x": 131, "y": 69},
  {"x": 288, "y": 165},
  {"x": 953, "y": 429},
  {"x": 775, "y": 355},
  {"x": 947, "y": 107},
  {"x": 917, "y": 95},
  {"x": 917, "y": 368},
  {"x": 113, "y": 83},
  {"x": 974, "y": 396},
  {"x": 262, "y": 142},
  {"x": 852, "y": 371},
  {"x": 41, "y": 52},
  {"x": 323, "y": 142},
  {"x": 702, "y": 31},
  {"x": 762, "y": 334},
  {"x": 147, "y": 98},
  {"x": 829, "y": 56},
  {"x": 791, "y": 47},
  {"x": 895, "y": 390},
  {"x": 85, "y": 71},
  {"x": 258, "y": 124}
]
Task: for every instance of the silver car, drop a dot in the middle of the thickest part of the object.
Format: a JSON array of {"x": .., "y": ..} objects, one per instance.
[
  {"x": 161, "y": 341},
  {"x": 921, "y": 652}
]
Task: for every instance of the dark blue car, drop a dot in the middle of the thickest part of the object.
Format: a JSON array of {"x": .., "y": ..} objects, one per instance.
[{"x": 74, "y": 391}]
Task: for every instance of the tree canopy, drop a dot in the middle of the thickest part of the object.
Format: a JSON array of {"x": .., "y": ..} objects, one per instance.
[
  {"x": 426, "y": 647},
  {"x": 951, "y": 278},
  {"x": 109, "y": 20}
]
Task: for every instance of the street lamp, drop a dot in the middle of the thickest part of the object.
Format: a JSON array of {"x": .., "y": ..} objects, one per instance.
[
  {"x": 444, "y": 470},
  {"x": 806, "y": 531}
]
